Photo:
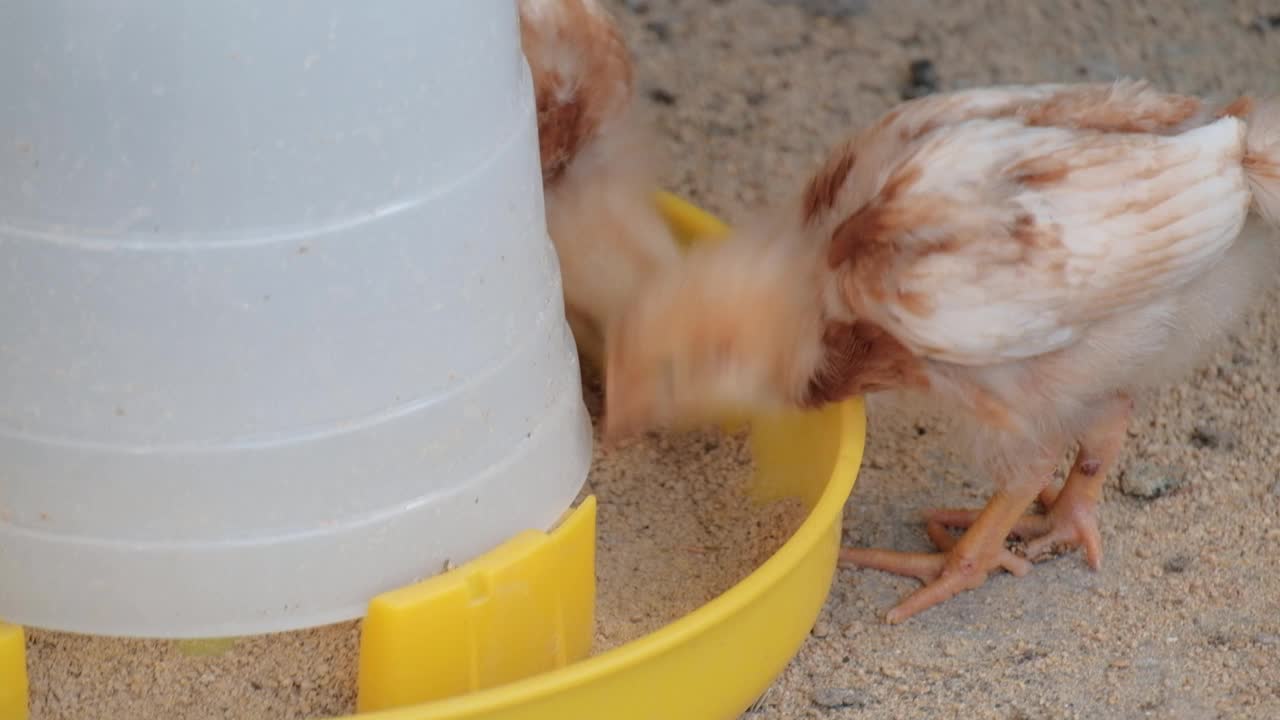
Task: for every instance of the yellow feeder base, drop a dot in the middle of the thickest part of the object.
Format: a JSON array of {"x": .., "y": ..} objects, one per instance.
[
  {"x": 422, "y": 642},
  {"x": 505, "y": 637}
]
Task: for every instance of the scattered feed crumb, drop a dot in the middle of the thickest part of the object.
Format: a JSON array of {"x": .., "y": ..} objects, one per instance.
[
  {"x": 283, "y": 676},
  {"x": 839, "y": 698},
  {"x": 676, "y": 529}
]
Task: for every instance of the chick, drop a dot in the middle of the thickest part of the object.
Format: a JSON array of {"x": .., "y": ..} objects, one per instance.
[
  {"x": 1030, "y": 258},
  {"x": 600, "y": 163}
]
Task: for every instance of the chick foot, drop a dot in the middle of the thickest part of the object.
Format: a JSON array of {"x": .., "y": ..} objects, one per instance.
[
  {"x": 1071, "y": 522},
  {"x": 963, "y": 564},
  {"x": 1070, "y": 519}
]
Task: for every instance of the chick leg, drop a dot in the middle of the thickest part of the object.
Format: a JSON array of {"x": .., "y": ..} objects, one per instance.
[
  {"x": 961, "y": 566},
  {"x": 1071, "y": 517}
]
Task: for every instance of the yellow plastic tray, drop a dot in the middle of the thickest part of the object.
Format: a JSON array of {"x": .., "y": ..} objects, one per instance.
[{"x": 709, "y": 665}]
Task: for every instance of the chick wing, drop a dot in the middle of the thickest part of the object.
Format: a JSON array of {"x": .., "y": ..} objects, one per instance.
[{"x": 994, "y": 239}]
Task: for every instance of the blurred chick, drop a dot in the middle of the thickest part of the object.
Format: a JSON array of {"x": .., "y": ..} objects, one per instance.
[
  {"x": 1028, "y": 257},
  {"x": 600, "y": 163}
]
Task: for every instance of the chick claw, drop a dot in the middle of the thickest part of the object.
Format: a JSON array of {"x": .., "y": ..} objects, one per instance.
[
  {"x": 945, "y": 574},
  {"x": 1070, "y": 521},
  {"x": 963, "y": 564}
]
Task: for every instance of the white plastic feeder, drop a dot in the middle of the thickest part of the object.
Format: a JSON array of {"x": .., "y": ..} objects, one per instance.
[{"x": 280, "y": 326}]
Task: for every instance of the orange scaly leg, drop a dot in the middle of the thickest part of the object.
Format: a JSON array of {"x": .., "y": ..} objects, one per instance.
[
  {"x": 1071, "y": 517},
  {"x": 963, "y": 564}
]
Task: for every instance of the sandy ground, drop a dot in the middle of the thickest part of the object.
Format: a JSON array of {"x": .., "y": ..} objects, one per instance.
[{"x": 1183, "y": 621}]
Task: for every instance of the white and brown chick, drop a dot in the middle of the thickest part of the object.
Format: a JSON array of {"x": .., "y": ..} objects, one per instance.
[
  {"x": 600, "y": 163},
  {"x": 1030, "y": 258}
]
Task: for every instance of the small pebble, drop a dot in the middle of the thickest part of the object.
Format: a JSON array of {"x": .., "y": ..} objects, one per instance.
[
  {"x": 1207, "y": 437},
  {"x": 839, "y": 697},
  {"x": 1266, "y": 639},
  {"x": 662, "y": 96},
  {"x": 1149, "y": 481},
  {"x": 1266, "y": 22},
  {"x": 1177, "y": 564},
  {"x": 821, "y": 629},
  {"x": 923, "y": 80},
  {"x": 660, "y": 30},
  {"x": 827, "y": 8}
]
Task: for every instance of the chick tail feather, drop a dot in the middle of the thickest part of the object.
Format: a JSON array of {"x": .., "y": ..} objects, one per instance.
[{"x": 1262, "y": 159}]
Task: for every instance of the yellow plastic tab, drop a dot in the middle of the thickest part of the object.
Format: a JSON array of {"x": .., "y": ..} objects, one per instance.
[
  {"x": 13, "y": 673},
  {"x": 793, "y": 452},
  {"x": 688, "y": 222},
  {"x": 525, "y": 608}
]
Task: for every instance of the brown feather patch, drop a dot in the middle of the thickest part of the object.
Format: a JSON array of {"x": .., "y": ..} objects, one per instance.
[
  {"x": 918, "y": 304},
  {"x": 862, "y": 358},
  {"x": 1238, "y": 108},
  {"x": 563, "y": 128},
  {"x": 1032, "y": 235},
  {"x": 572, "y": 109},
  {"x": 868, "y": 224},
  {"x": 1099, "y": 108},
  {"x": 1260, "y": 166},
  {"x": 1040, "y": 171},
  {"x": 820, "y": 194},
  {"x": 855, "y": 230}
]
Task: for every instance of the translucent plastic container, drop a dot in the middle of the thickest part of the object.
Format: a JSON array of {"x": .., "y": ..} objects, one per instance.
[{"x": 280, "y": 326}]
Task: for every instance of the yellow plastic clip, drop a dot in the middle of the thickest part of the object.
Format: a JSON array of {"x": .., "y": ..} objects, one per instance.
[{"x": 525, "y": 608}]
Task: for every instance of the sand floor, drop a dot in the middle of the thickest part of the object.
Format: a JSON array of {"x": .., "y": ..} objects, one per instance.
[{"x": 1183, "y": 620}]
